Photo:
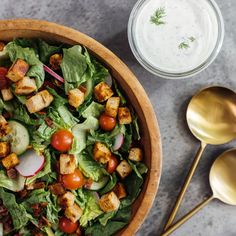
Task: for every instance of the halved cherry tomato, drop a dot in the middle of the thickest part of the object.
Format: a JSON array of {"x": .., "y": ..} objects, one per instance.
[
  {"x": 112, "y": 164},
  {"x": 106, "y": 122},
  {"x": 73, "y": 181},
  {"x": 3, "y": 79},
  {"x": 67, "y": 226},
  {"x": 62, "y": 140}
]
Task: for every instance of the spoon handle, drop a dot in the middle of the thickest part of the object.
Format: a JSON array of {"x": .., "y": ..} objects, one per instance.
[
  {"x": 187, "y": 216},
  {"x": 185, "y": 186}
]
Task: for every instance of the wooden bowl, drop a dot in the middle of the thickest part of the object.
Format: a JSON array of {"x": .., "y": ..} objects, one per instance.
[{"x": 27, "y": 28}]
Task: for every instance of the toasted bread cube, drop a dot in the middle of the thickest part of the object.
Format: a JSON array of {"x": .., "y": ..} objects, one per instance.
[
  {"x": 119, "y": 190},
  {"x": 76, "y": 97},
  {"x": 25, "y": 86},
  {"x": 36, "y": 185},
  {"x": 109, "y": 202},
  {"x": 123, "y": 169},
  {"x": 4, "y": 149},
  {"x": 135, "y": 154},
  {"x": 57, "y": 189},
  {"x": 10, "y": 161},
  {"x": 4, "y": 127},
  {"x": 67, "y": 199},
  {"x": 73, "y": 212},
  {"x": 18, "y": 70},
  {"x": 112, "y": 106},
  {"x": 55, "y": 61},
  {"x": 124, "y": 116},
  {"x": 101, "y": 153},
  {"x": 6, "y": 94},
  {"x": 39, "y": 101},
  {"x": 2, "y": 46},
  {"x": 67, "y": 164},
  {"x": 102, "y": 92}
]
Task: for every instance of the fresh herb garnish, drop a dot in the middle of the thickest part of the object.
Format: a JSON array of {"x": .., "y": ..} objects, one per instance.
[
  {"x": 185, "y": 44},
  {"x": 157, "y": 17}
]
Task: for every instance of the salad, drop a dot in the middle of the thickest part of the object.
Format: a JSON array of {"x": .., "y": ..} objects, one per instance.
[{"x": 71, "y": 162}]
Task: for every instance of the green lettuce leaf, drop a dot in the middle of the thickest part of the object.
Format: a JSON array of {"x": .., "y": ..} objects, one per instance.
[
  {"x": 17, "y": 212},
  {"x": 94, "y": 109},
  {"x": 110, "y": 185},
  {"x": 88, "y": 202},
  {"x": 28, "y": 54},
  {"x": 113, "y": 225},
  {"x": 119, "y": 93},
  {"x": 74, "y": 66},
  {"x": 14, "y": 185},
  {"x": 90, "y": 167}
]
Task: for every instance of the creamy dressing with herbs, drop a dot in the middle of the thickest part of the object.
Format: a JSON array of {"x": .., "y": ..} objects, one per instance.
[{"x": 183, "y": 40}]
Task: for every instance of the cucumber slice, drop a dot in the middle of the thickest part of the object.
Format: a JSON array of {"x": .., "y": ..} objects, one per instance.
[
  {"x": 97, "y": 185},
  {"x": 19, "y": 137}
]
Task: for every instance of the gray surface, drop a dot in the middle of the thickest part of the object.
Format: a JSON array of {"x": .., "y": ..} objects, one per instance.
[{"x": 106, "y": 21}]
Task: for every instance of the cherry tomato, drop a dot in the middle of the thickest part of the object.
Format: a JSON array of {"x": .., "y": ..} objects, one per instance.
[
  {"x": 62, "y": 140},
  {"x": 106, "y": 122},
  {"x": 73, "y": 181},
  {"x": 67, "y": 226},
  {"x": 3, "y": 79},
  {"x": 112, "y": 164}
]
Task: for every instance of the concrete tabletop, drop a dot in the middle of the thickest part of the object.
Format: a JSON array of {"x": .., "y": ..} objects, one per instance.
[{"x": 106, "y": 21}]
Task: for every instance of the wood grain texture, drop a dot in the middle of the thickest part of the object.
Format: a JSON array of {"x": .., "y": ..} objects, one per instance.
[{"x": 151, "y": 141}]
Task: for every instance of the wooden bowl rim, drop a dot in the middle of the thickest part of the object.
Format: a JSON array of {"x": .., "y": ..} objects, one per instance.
[{"x": 136, "y": 88}]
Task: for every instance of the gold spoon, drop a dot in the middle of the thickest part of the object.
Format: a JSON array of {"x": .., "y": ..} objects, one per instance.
[
  {"x": 211, "y": 117},
  {"x": 223, "y": 184}
]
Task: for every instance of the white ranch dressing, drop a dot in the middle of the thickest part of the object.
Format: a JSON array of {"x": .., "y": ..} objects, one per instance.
[{"x": 159, "y": 44}]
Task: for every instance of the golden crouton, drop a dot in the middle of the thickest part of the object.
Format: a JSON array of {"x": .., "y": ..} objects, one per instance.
[
  {"x": 25, "y": 86},
  {"x": 4, "y": 127},
  {"x": 4, "y": 149},
  {"x": 36, "y": 185},
  {"x": 124, "y": 116},
  {"x": 73, "y": 212},
  {"x": 123, "y": 169},
  {"x": 119, "y": 190},
  {"x": 109, "y": 202},
  {"x": 2, "y": 45},
  {"x": 39, "y": 101},
  {"x": 102, "y": 92},
  {"x": 67, "y": 164},
  {"x": 112, "y": 106},
  {"x": 6, "y": 94},
  {"x": 135, "y": 154},
  {"x": 67, "y": 199},
  {"x": 10, "y": 161},
  {"x": 18, "y": 70},
  {"x": 76, "y": 97},
  {"x": 55, "y": 61},
  {"x": 101, "y": 153}
]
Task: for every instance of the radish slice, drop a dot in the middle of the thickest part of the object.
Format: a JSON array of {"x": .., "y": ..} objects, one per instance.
[
  {"x": 30, "y": 163},
  {"x": 95, "y": 194},
  {"x": 119, "y": 140},
  {"x": 54, "y": 74},
  {"x": 109, "y": 80}
]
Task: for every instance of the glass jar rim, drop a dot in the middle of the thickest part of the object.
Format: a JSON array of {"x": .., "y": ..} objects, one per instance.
[{"x": 170, "y": 75}]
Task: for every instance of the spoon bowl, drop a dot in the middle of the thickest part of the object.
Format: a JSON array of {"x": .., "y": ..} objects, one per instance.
[
  {"x": 223, "y": 177},
  {"x": 211, "y": 115}
]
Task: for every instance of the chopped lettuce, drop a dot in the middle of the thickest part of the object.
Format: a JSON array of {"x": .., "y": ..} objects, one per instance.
[
  {"x": 28, "y": 54},
  {"x": 94, "y": 109},
  {"x": 110, "y": 185},
  {"x": 14, "y": 185},
  {"x": 90, "y": 167},
  {"x": 88, "y": 202},
  {"x": 17, "y": 212}
]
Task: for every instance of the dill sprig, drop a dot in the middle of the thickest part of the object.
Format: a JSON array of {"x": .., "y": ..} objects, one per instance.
[
  {"x": 158, "y": 15},
  {"x": 192, "y": 39},
  {"x": 183, "y": 45}
]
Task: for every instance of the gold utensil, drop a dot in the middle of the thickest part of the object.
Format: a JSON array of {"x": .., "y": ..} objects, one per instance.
[
  {"x": 223, "y": 184},
  {"x": 211, "y": 117}
]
